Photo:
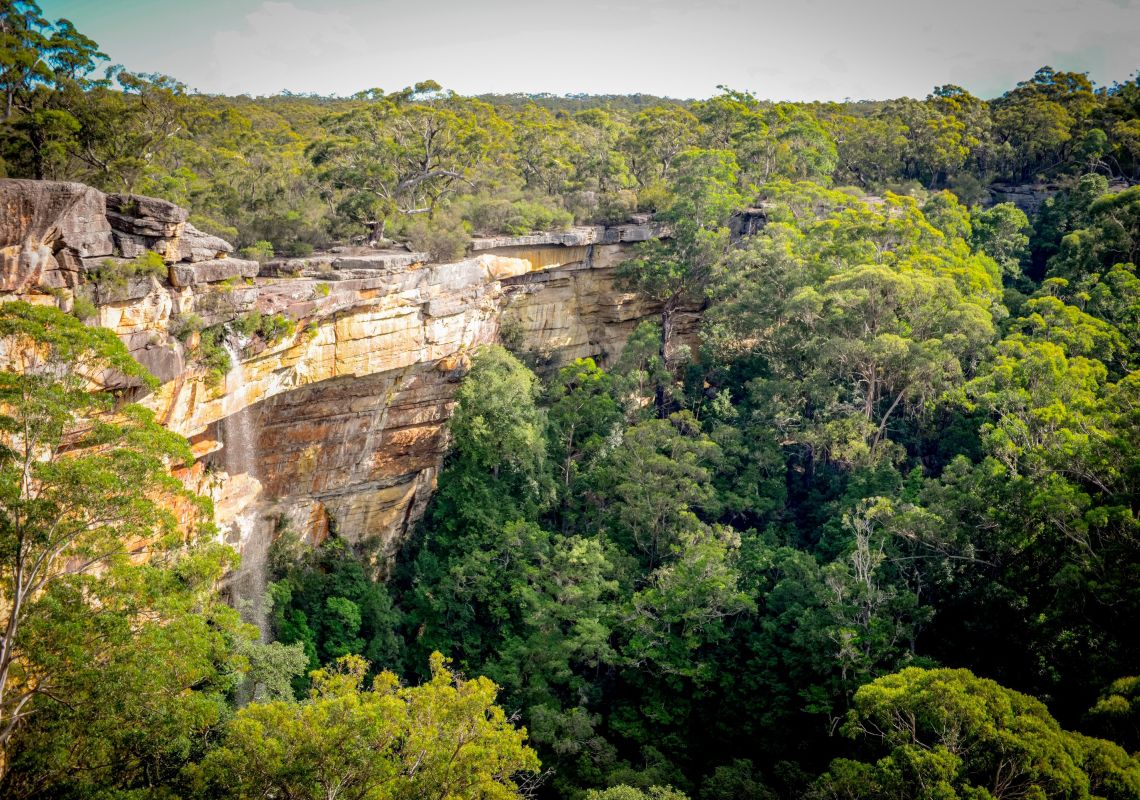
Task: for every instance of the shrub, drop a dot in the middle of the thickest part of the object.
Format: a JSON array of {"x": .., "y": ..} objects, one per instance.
[
  {"x": 82, "y": 308},
  {"x": 212, "y": 355},
  {"x": 270, "y": 327},
  {"x": 275, "y": 327},
  {"x": 511, "y": 333},
  {"x": 184, "y": 324},
  {"x": 654, "y": 196},
  {"x": 528, "y": 216},
  {"x": 213, "y": 226},
  {"x": 112, "y": 276},
  {"x": 299, "y": 250},
  {"x": 321, "y": 290},
  {"x": 258, "y": 251},
  {"x": 444, "y": 239},
  {"x": 616, "y": 207},
  {"x": 515, "y": 215}
]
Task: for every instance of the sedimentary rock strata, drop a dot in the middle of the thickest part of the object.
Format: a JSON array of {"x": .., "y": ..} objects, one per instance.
[{"x": 341, "y": 424}]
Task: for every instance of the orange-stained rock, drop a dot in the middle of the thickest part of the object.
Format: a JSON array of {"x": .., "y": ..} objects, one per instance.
[{"x": 347, "y": 416}]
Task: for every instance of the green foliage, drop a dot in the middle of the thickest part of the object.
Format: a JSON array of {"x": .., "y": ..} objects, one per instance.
[
  {"x": 1000, "y": 232},
  {"x": 271, "y": 328},
  {"x": 327, "y": 602},
  {"x": 514, "y": 214},
  {"x": 299, "y": 250},
  {"x": 908, "y": 438},
  {"x": 443, "y": 239},
  {"x": 498, "y": 433},
  {"x": 110, "y": 664},
  {"x": 445, "y": 738},
  {"x": 949, "y": 734},
  {"x": 83, "y": 309},
  {"x": 888, "y": 310},
  {"x": 212, "y": 355},
  {"x": 261, "y": 251},
  {"x": 629, "y": 793},
  {"x": 1117, "y": 712},
  {"x": 184, "y": 325},
  {"x": 114, "y": 275}
]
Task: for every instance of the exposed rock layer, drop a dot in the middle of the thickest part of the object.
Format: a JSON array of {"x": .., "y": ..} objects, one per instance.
[{"x": 345, "y": 417}]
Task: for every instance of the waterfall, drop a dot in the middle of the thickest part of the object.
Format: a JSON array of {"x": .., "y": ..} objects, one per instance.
[{"x": 239, "y": 459}]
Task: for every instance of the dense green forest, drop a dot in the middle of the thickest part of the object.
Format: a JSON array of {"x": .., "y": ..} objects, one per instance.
[{"x": 872, "y": 533}]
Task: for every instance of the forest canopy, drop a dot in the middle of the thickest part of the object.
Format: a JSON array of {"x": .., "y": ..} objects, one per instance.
[{"x": 869, "y": 530}]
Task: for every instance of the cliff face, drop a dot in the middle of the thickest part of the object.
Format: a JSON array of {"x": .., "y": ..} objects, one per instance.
[{"x": 341, "y": 424}]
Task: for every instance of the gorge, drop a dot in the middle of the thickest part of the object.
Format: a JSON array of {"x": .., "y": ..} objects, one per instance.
[
  {"x": 340, "y": 424},
  {"x": 406, "y": 443}
]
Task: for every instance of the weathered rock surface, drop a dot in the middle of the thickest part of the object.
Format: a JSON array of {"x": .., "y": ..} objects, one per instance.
[
  {"x": 343, "y": 421},
  {"x": 213, "y": 271},
  {"x": 45, "y": 228},
  {"x": 194, "y": 245},
  {"x": 576, "y": 237},
  {"x": 1029, "y": 197}
]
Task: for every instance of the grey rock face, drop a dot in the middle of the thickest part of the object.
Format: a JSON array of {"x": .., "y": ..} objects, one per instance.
[
  {"x": 577, "y": 237},
  {"x": 39, "y": 219},
  {"x": 380, "y": 261},
  {"x": 145, "y": 216},
  {"x": 194, "y": 245},
  {"x": 213, "y": 271}
]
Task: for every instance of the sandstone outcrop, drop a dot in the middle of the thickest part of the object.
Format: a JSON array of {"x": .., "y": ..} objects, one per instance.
[
  {"x": 45, "y": 229},
  {"x": 342, "y": 423}
]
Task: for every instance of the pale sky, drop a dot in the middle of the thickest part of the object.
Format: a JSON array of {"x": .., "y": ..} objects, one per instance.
[{"x": 787, "y": 50}]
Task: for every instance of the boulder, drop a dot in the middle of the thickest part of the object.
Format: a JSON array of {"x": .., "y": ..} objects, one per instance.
[
  {"x": 165, "y": 362},
  {"x": 145, "y": 216},
  {"x": 130, "y": 245},
  {"x": 149, "y": 222},
  {"x": 40, "y": 219},
  {"x": 195, "y": 245}
]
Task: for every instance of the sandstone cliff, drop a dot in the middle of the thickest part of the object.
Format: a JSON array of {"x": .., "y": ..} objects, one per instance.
[{"x": 342, "y": 423}]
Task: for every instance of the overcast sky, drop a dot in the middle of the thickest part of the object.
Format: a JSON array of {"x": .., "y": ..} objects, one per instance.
[{"x": 791, "y": 50}]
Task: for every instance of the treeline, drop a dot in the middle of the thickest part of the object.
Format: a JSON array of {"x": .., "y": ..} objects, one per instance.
[{"x": 427, "y": 166}]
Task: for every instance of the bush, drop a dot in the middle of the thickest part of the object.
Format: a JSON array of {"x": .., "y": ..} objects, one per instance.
[
  {"x": 511, "y": 333},
  {"x": 514, "y": 215},
  {"x": 299, "y": 250},
  {"x": 654, "y": 196},
  {"x": 321, "y": 289},
  {"x": 444, "y": 239},
  {"x": 82, "y": 308},
  {"x": 616, "y": 207},
  {"x": 212, "y": 355},
  {"x": 275, "y": 327},
  {"x": 112, "y": 276},
  {"x": 269, "y": 327},
  {"x": 212, "y": 226},
  {"x": 183, "y": 325},
  {"x": 258, "y": 251}
]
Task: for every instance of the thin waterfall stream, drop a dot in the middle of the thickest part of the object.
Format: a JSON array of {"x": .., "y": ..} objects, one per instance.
[{"x": 240, "y": 457}]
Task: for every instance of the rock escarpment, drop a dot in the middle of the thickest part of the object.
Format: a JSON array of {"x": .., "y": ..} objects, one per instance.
[{"x": 340, "y": 423}]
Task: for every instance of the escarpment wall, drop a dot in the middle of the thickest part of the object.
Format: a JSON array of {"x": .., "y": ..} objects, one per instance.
[{"x": 341, "y": 424}]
